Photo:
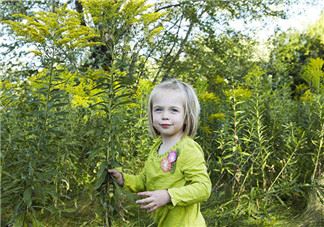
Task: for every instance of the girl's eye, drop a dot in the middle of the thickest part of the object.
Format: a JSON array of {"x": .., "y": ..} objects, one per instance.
[
  {"x": 175, "y": 110},
  {"x": 157, "y": 109}
]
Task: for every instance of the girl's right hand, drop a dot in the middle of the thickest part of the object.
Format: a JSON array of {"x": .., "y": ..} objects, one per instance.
[{"x": 118, "y": 176}]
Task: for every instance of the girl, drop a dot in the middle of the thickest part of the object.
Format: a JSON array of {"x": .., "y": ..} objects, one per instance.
[{"x": 174, "y": 179}]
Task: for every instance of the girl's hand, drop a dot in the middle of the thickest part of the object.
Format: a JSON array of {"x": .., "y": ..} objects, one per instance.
[
  {"x": 118, "y": 176},
  {"x": 154, "y": 199}
]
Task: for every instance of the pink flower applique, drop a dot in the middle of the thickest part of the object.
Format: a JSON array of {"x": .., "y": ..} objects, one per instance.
[
  {"x": 168, "y": 164},
  {"x": 172, "y": 157},
  {"x": 165, "y": 165}
]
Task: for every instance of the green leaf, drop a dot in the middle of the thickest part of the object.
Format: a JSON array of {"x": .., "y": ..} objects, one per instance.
[
  {"x": 70, "y": 210},
  {"x": 228, "y": 156},
  {"x": 101, "y": 176},
  {"x": 27, "y": 197}
]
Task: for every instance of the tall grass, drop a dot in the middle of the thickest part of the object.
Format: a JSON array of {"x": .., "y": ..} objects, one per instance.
[{"x": 267, "y": 157}]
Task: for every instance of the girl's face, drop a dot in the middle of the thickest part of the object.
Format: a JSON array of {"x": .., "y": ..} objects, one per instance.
[{"x": 168, "y": 113}]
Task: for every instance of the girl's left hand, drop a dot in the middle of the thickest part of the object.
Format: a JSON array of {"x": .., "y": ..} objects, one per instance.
[{"x": 154, "y": 199}]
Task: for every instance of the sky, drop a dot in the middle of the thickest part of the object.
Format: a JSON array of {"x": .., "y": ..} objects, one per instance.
[{"x": 299, "y": 17}]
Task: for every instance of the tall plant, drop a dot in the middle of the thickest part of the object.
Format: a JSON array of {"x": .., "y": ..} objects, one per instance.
[{"x": 35, "y": 174}]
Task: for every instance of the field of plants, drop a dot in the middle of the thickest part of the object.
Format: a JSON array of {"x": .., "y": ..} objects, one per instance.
[{"x": 74, "y": 81}]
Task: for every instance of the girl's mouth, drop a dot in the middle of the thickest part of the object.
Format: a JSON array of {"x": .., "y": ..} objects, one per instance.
[{"x": 165, "y": 125}]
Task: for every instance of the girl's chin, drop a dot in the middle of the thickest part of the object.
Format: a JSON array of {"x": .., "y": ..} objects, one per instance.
[{"x": 170, "y": 135}]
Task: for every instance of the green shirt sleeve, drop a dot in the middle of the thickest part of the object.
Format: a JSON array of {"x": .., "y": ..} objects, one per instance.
[
  {"x": 198, "y": 184},
  {"x": 134, "y": 183},
  {"x": 137, "y": 183}
]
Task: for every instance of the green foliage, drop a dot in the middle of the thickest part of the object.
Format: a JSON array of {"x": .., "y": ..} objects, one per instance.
[
  {"x": 291, "y": 53},
  {"x": 63, "y": 28},
  {"x": 317, "y": 29},
  {"x": 260, "y": 149},
  {"x": 313, "y": 74},
  {"x": 125, "y": 28},
  {"x": 35, "y": 144}
]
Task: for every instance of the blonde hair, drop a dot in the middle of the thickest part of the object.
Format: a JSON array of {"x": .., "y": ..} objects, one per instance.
[{"x": 191, "y": 106}]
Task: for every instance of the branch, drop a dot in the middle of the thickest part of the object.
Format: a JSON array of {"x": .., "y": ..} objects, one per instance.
[
  {"x": 168, "y": 6},
  {"x": 182, "y": 44},
  {"x": 171, "y": 49}
]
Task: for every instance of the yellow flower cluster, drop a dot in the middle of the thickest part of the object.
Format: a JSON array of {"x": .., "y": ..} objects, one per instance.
[
  {"x": 219, "y": 80},
  {"x": 80, "y": 101},
  {"x": 217, "y": 116},
  {"x": 239, "y": 93},
  {"x": 83, "y": 94},
  {"x": 6, "y": 85},
  {"x": 308, "y": 96},
  {"x": 208, "y": 97}
]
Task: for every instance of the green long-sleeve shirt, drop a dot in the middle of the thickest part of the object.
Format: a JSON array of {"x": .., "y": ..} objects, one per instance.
[{"x": 187, "y": 182}]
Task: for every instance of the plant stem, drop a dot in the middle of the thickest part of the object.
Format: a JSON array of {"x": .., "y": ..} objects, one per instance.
[
  {"x": 320, "y": 146},
  {"x": 288, "y": 161}
]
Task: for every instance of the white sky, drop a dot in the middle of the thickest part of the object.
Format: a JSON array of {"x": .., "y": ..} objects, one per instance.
[{"x": 299, "y": 17}]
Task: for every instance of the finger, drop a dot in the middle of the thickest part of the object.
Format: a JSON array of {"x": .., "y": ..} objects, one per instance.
[
  {"x": 111, "y": 171},
  {"x": 148, "y": 193},
  {"x": 146, "y": 200},
  {"x": 153, "y": 208},
  {"x": 115, "y": 175},
  {"x": 148, "y": 206}
]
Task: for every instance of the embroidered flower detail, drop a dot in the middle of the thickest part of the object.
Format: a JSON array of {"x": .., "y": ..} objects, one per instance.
[
  {"x": 172, "y": 157},
  {"x": 169, "y": 163},
  {"x": 165, "y": 165}
]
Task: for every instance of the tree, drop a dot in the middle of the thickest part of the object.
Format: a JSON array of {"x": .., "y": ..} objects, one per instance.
[{"x": 290, "y": 53}]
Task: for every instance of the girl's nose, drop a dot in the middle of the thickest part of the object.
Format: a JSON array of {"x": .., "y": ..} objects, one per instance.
[{"x": 165, "y": 116}]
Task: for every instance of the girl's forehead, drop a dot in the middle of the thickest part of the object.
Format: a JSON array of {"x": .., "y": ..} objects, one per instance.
[{"x": 169, "y": 96}]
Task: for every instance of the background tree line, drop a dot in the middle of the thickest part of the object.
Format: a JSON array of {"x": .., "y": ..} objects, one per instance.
[{"x": 78, "y": 107}]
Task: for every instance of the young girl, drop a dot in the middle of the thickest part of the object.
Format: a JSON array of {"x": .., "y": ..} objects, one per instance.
[{"x": 174, "y": 179}]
